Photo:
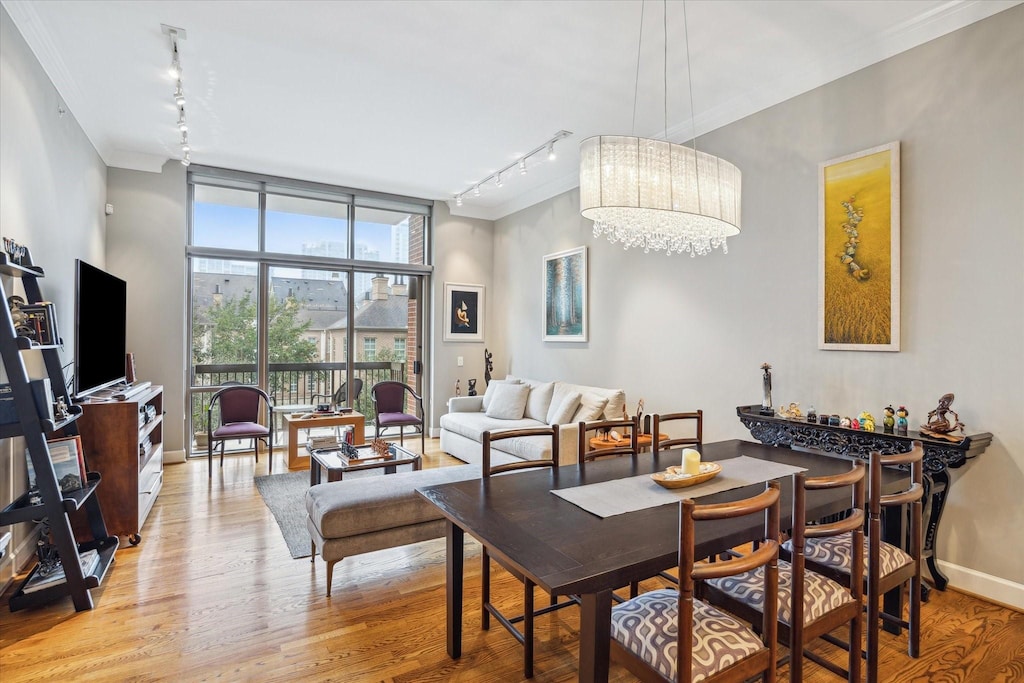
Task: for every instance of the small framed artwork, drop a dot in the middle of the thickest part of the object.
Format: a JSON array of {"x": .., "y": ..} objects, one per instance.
[
  {"x": 859, "y": 255},
  {"x": 565, "y": 296},
  {"x": 463, "y": 312}
]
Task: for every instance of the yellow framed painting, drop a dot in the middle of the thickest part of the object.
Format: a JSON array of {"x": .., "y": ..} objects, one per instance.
[{"x": 859, "y": 255}]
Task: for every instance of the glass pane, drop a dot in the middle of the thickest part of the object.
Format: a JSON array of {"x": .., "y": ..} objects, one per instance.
[
  {"x": 308, "y": 321},
  {"x": 306, "y": 226},
  {"x": 389, "y": 236},
  {"x": 225, "y": 218}
]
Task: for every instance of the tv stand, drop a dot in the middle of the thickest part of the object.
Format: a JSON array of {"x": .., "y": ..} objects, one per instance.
[{"x": 131, "y": 390}]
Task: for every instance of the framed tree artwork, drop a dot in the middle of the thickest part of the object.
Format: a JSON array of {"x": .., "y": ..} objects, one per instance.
[
  {"x": 859, "y": 255},
  {"x": 565, "y": 296},
  {"x": 463, "y": 312}
]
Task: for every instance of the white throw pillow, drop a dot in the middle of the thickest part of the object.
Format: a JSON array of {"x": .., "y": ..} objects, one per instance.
[
  {"x": 489, "y": 392},
  {"x": 591, "y": 408},
  {"x": 508, "y": 402},
  {"x": 540, "y": 401},
  {"x": 563, "y": 412}
]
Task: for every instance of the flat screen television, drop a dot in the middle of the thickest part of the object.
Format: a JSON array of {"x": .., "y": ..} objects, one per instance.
[{"x": 101, "y": 311}]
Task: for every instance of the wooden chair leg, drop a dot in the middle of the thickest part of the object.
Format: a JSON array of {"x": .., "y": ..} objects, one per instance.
[
  {"x": 914, "y": 628},
  {"x": 330, "y": 575},
  {"x": 209, "y": 454},
  {"x": 853, "y": 665}
]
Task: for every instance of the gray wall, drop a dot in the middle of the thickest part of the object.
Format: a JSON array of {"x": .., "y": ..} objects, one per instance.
[
  {"x": 146, "y": 247},
  {"x": 52, "y": 191},
  {"x": 689, "y": 333}
]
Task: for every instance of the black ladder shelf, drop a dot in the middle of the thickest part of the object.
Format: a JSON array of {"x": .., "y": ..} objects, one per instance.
[{"x": 55, "y": 506}]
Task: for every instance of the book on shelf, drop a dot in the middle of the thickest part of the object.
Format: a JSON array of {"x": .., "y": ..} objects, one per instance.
[
  {"x": 41, "y": 393},
  {"x": 90, "y": 559},
  {"x": 68, "y": 460}
]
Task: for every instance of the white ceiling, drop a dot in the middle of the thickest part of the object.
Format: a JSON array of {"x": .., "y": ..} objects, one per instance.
[{"x": 427, "y": 98}]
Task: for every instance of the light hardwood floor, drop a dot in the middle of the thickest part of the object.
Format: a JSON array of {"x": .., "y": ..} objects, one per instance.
[{"x": 212, "y": 593}]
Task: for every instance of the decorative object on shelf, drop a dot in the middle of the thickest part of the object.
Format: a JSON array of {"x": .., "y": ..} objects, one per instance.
[
  {"x": 463, "y": 312},
  {"x": 655, "y": 194},
  {"x": 867, "y": 421},
  {"x": 488, "y": 366},
  {"x": 844, "y": 422},
  {"x": 854, "y": 423},
  {"x": 60, "y": 409},
  {"x": 791, "y": 412},
  {"x": 859, "y": 277},
  {"x": 472, "y": 388},
  {"x": 812, "y": 415},
  {"x": 766, "y": 388},
  {"x": 939, "y": 423},
  {"x": 15, "y": 252},
  {"x": 834, "y": 420},
  {"x": 889, "y": 421},
  {"x": 565, "y": 296},
  {"x": 19, "y": 318},
  {"x": 458, "y": 387},
  {"x": 68, "y": 461},
  {"x": 38, "y": 323},
  {"x": 901, "y": 420}
]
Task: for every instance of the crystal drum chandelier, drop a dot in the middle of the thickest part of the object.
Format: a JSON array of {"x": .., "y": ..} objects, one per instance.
[{"x": 655, "y": 194}]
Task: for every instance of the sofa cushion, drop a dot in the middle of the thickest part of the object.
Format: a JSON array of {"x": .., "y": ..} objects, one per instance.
[
  {"x": 539, "y": 402},
  {"x": 493, "y": 386},
  {"x": 473, "y": 425},
  {"x": 563, "y": 408},
  {"x": 616, "y": 397},
  {"x": 508, "y": 402},
  {"x": 525, "y": 447},
  {"x": 359, "y": 506},
  {"x": 591, "y": 408}
]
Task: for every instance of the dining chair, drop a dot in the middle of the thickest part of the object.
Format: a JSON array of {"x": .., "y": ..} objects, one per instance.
[
  {"x": 810, "y": 605},
  {"x": 627, "y": 445},
  {"x": 525, "y": 637},
  {"x": 389, "y": 403},
  {"x": 340, "y": 397},
  {"x": 669, "y": 634},
  {"x": 240, "y": 416},
  {"x": 696, "y": 417},
  {"x": 888, "y": 566}
]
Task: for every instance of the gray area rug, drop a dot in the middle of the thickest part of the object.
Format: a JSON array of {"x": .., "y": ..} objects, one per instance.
[{"x": 285, "y": 495}]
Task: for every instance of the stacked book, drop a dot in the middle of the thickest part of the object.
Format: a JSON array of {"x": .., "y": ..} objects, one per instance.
[{"x": 89, "y": 559}]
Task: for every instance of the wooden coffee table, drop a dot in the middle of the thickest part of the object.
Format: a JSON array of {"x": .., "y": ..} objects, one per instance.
[
  {"x": 296, "y": 422},
  {"x": 337, "y": 467},
  {"x": 643, "y": 441}
]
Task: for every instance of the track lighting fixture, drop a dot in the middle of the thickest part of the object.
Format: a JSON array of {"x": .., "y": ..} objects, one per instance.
[
  {"x": 522, "y": 163},
  {"x": 175, "y": 34}
]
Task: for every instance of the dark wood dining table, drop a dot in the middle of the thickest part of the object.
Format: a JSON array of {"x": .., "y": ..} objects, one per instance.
[{"x": 568, "y": 551}]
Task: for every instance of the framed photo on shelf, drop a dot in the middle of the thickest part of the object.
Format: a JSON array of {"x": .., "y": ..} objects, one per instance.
[
  {"x": 565, "y": 296},
  {"x": 68, "y": 460},
  {"x": 37, "y": 322},
  {"x": 463, "y": 312},
  {"x": 859, "y": 254}
]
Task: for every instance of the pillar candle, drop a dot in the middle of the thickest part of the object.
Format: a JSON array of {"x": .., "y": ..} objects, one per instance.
[{"x": 691, "y": 461}]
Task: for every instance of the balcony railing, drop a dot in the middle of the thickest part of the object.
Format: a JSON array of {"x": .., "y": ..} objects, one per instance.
[{"x": 302, "y": 385}]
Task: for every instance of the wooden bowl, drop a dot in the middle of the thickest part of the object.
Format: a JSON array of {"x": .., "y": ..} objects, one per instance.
[{"x": 673, "y": 477}]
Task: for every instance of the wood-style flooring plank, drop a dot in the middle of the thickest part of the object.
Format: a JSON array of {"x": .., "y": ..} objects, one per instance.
[{"x": 211, "y": 593}]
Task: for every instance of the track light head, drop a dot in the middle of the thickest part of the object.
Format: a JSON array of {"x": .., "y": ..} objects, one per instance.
[
  {"x": 497, "y": 180},
  {"x": 476, "y": 190},
  {"x": 551, "y": 152},
  {"x": 522, "y": 166},
  {"x": 179, "y": 95},
  {"x": 458, "y": 200}
]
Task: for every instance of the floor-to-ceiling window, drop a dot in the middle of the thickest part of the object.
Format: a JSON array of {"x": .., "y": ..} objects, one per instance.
[{"x": 309, "y": 292}]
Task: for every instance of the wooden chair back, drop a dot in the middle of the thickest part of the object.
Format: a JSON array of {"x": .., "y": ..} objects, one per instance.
[
  {"x": 626, "y": 446},
  {"x": 696, "y": 417},
  {"x": 489, "y": 438},
  {"x": 766, "y": 554}
]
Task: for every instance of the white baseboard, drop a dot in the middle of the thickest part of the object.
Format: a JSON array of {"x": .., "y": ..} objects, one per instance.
[
  {"x": 174, "y": 456},
  {"x": 984, "y": 585}
]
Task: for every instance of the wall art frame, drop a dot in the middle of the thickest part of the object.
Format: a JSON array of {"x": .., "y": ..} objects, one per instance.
[
  {"x": 859, "y": 251},
  {"x": 463, "y": 312},
  {"x": 565, "y": 287}
]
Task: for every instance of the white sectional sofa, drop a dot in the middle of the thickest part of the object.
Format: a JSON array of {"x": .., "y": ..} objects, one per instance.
[{"x": 517, "y": 403}]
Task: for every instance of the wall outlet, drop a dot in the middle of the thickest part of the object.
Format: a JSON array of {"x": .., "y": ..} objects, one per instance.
[{"x": 459, "y": 361}]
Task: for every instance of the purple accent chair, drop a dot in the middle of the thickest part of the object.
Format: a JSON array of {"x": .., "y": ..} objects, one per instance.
[
  {"x": 389, "y": 403},
  {"x": 240, "y": 419}
]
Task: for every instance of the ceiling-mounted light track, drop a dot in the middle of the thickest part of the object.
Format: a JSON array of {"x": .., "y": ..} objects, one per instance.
[
  {"x": 520, "y": 163},
  {"x": 175, "y": 34}
]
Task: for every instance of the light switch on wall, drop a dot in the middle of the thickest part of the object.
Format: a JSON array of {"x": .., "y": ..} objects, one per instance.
[{"x": 459, "y": 361}]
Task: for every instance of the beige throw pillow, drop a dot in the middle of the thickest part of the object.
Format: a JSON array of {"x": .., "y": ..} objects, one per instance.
[
  {"x": 539, "y": 403},
  {"x": 563, "y": 412},
  {"x": 508, "y": 402},
  {"x": 489, "y": 392},
  {"x": 591, "y": 408}
]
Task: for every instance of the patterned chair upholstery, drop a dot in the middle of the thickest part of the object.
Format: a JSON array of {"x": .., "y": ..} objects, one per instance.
[
  {"x": 809, "y": 605},
  {"x": 668, "y": 635},
  {"x": 834, "y": 552}
]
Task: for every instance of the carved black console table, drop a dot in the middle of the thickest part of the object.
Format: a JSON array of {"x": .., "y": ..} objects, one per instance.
[{"x": 939, "y": 456}]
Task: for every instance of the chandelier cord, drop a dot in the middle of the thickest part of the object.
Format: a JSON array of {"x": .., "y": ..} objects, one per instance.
[
  {"x": 664, "y": 62},
  {"x": 693, "y": 115},
  {"x": 636, "y": 82}
]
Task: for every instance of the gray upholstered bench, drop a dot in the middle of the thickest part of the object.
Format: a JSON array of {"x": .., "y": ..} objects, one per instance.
[{"x": 361, "y": 515}]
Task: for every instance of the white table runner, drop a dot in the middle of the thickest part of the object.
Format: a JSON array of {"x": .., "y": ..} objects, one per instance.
[{"x": 619, "y": 496}]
